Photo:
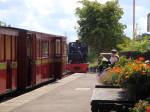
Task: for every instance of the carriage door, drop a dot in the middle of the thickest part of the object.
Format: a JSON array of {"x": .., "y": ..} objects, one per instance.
[
  {"x": 29, "y": 60},
  {"x": 57, "y": 60},
  {"x": 10, "y": 61}
]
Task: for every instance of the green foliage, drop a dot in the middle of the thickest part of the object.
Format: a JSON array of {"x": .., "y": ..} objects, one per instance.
[
  {"x": 92, "y": 64},
  {"x": 110, "y": 78},
  {"x": 138, "y": 86},
  {"x": 92, "y": 56},
  {"x": 122, "y": 61},
  {"x": 124, "y": 44},
  {"x": 99, "y": 24},
  {"x": 135, "y": 45}
]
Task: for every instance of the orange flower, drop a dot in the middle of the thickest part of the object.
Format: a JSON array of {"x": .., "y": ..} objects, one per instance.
[
  {"x": 116, "y": 69},
  {"x": 136, "y": 68},
  {"x": 130, "y": 65},
  {"x": 137, "y": 61},
  {"x": 141, "y": 65},
  {"x": 148, "y": 109}
]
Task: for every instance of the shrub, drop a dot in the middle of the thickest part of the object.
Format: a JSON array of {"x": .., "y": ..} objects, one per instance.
[
  {"x": 122, "y": 61},
  {"x": 112, "y": 76},
  {"x": 132, "y": 75}
]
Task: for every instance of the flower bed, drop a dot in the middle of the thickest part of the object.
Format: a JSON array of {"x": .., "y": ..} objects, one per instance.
[{"x": 132, "y": 75}]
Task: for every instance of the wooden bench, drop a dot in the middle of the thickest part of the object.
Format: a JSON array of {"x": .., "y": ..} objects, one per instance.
[{"x": 110, "y": 99}]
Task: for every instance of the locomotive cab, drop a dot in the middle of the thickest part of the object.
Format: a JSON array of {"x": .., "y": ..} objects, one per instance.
[{"x": 77, "y": 57}]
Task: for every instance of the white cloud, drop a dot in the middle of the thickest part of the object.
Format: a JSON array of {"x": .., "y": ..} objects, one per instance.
[
  {"x": 128, "y": 30},
  {"x": 69, "y": 6},
  {"x": 142, "y": 25},
  {"x": 41, "y": 7},
  {"x": 141, "y": 18},
  {"x": 57, "y": 16},
  {"x": 67, "y": 24},
  {"x": 36, "y": 13},
  {"x": 3, "y": 0},
  {"x": 103, "y": 1},
  {"x": 3, "y": 14},
  {"x": 10, "y": 13},
  {"x": 72, "y": 38},
  {"x": 32, "y": 23}
]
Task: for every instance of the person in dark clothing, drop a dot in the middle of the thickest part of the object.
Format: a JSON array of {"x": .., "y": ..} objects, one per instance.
[{"x": 103, "y": 63}]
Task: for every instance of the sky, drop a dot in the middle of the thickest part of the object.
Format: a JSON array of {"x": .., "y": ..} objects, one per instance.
[{"x": 58, "y": 16}]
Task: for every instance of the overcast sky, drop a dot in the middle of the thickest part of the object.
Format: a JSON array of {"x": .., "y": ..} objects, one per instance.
[{"x": 58, "y": 16}]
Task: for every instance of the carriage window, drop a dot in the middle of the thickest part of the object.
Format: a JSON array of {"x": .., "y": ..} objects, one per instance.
[
  {"x": 64, "y": 48},
  {"x": 50, "y": 48},
  {"x": 8, "y": 47},
  {"x": 13, "y": 48},
  {"x": 44, "y": 49},
  {"x": 38, "y": 48},
  {"x": 29, "y": 46},
  {"x": 57, "y": 51},
  {"x": 1, "y": 47}
]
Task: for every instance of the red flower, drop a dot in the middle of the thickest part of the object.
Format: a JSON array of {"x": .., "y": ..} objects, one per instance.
[
  {"x": 141, "y": 59},
  {"x": 148, "y": 109}
]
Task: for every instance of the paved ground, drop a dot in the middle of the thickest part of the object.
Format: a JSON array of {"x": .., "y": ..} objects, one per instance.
[{"x": 71, "y": 94}]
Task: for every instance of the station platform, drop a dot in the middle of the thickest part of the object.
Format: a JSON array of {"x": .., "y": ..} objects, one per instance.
[{"x": 70, "y": 94}]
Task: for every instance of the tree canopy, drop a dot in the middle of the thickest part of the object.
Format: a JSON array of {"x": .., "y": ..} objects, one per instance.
[
  {"x": 140, "y": 45},
  {"x": 3, "y": 23},
  {"x": 99, "y": 24}
]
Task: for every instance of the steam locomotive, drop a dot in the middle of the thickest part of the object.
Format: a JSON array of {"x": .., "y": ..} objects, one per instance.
[{"x": 77, "y": 57}]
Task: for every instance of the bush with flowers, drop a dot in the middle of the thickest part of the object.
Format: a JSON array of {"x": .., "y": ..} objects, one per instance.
[
  {"x": 113, "y": 76},
  {"x": 135, "y": 78},
  {"x": 132, "y": 75}
]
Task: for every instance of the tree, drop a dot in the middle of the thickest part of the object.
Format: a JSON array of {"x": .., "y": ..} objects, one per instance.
[
  {"x": 99, "y": 24},
  {"x": 140, "y": 45},
  {"x": 4, "y": 24}
]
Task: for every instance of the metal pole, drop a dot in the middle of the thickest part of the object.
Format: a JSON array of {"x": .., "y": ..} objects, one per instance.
[{"x": 133, "y": 19}]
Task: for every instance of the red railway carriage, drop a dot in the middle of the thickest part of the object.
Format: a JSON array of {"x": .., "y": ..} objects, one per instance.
[
  {"x": 8, "y": 60},
  {"x": 29, "y": 58}
]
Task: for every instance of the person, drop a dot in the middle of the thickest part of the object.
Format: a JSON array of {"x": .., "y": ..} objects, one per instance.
[
  {"x": 103, "y": 63},
  {"x": 147, "y": 62},
  {"x": 114, "y": 57}
]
